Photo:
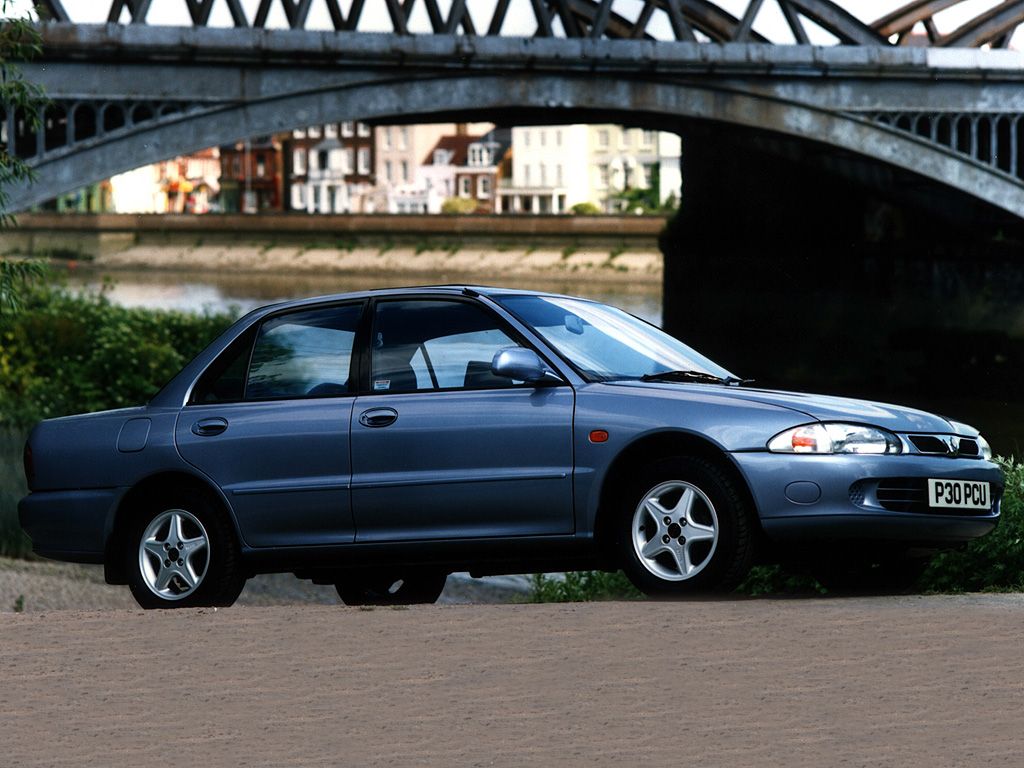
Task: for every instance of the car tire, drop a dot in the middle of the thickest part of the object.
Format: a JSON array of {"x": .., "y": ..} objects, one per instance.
[
  {"x": 893, "y": 574},
  {"x": 685, "y": 528},
  {"x": 207, "y": 571},
  {"x": 414, "y": 588}
]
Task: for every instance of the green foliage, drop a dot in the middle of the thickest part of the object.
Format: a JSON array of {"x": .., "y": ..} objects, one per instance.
[
  {"x": 19, "y": 604},
  {"x": 19, "y": 41},
  {"x": 459, "y": 205},
  {"x": 585, "y": 209},
  {"x": 994, "y": 562},
  {"x": 581, "y": 586},
  {"x": 15, "y": 277},
  {"x": 13, "y": 541},
  {"x": 65, "y": 353}
]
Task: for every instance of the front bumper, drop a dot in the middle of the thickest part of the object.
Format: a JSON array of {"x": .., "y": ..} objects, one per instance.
[
  {"x": 837, "y": 513},
  {"x": 69, "y": 525}
]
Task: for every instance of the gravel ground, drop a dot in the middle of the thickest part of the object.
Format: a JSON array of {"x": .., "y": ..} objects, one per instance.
[
  {"x": 901, "y": 682},
  {"x": 51, "y": 586}
]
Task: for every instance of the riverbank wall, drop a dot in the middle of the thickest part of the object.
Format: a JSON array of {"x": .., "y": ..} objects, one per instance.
[{"x": 601, "y": 247}]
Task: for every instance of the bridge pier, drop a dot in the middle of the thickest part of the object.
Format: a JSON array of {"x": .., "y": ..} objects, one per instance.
[{"x": 811, "y": 270}]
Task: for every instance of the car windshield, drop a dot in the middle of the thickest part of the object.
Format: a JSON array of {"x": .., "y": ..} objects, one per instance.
[{"x": 604, "y": 343}]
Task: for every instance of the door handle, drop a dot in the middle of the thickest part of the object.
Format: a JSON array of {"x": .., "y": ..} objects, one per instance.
[
  {"x": 209, "y": 427},
  {"x": 378, "y": 417}
]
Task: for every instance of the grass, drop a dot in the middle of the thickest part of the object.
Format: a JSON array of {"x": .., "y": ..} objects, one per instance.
[{"x": 13, "y": 541}]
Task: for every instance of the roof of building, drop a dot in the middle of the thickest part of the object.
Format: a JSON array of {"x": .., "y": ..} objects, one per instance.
[{"x": 457, "y": 144}]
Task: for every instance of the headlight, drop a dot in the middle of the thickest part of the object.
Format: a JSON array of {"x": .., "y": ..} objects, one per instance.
[
  {"x": 984, "y": 448},
  {"x": 835, "y": 438}
]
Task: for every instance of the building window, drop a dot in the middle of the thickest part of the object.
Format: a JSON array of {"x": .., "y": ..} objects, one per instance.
[
  {"x": 478, "y": 155},
  {"x": 483, "y": 187},
  {"x": 314, "y": 161},
  {"x": 526, "y": 138},
  {"x": 331, "y": 131},
  {"x": 647, "y": 138},
  {"x": 558, "y": 138},
  {"x": 602, "y": 171},
  {"x": 465, "y": 186},
  {"x": 403, "y": 137},
  {"x": 526, "y": 174},
  {"x": 299, "y": 133},
  {"x": 603, "y": 137},
  {"x": 299, "y": 162},
  {"x": 364, "y": 160},
  {"x": 558, "y": 175},
  {"x": 347, "y": 129},
  {"x": 236, "y": 167},
  {"x": 543, "y": 138},
  {"x": 335, "y": 160},
  {"x": 298, "y": 197},
  {"x": 543, "y": 174},
  {"x": 314, "y": 132},
  {"x": 386, "y": 137},
  {"x": 387, "y": 171},
  {"x": 348, "y": 165},
  {"x": 649, "y": 171},
  {"x": 405, "y": 171},
  {"x": 363, "y": 129},
  {"x": 261, "y": 166}
]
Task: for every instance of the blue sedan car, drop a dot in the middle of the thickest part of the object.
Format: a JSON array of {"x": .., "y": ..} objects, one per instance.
[{"x": 379, "y": 441}]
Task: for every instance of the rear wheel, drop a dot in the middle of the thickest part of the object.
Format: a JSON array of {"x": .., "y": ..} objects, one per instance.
[
  {"x": 415, "y": 587},
  {"x": 182, "y": 553},
  {"x": 684, "y": 529}
]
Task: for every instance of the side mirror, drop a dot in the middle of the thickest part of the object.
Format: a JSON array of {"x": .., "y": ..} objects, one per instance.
[{"x": 521, "y": 364}]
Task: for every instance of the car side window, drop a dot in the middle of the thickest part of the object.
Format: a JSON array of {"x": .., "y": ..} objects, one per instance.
[
  {"x": 303, "y": 354},
  {"x": 436, "y": 344}
]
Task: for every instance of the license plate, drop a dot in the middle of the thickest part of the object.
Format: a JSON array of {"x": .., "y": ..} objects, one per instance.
[{"x": 958, "y": 494}]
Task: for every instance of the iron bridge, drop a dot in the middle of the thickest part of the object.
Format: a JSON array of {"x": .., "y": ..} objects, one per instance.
[{"x": 145, "y": 87}]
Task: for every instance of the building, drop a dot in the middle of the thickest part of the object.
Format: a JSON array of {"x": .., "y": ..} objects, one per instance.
[
  {"x": 405, "y": 183},
  {"x": 550, "y": 170},
  {"x": 251, "y": 178},
  {"x": 556, "y": 167},
  {"x": 330, "y": 168},
  {"x": 187, "y": 184},
  {"x": 467, "y": 167}
]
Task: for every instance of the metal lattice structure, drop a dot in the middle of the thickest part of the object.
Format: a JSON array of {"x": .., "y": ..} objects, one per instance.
[
  {"x": 136, "y": 91},
  {"x": 689, "y": 20}
]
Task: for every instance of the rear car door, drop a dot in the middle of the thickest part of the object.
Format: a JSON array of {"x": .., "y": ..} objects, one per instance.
[
  {"x": 441, "y": 447},
  {"x": 269, "y": 423}
]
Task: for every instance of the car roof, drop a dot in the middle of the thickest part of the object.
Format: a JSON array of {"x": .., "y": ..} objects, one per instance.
[{"x": 454, "y": 289}]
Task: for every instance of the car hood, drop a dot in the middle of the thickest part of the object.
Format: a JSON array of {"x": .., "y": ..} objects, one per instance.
[{"x": 895, "y": 418}]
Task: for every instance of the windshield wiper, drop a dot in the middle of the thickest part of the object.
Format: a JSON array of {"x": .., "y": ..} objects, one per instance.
[{"x": 700, "y": 376}]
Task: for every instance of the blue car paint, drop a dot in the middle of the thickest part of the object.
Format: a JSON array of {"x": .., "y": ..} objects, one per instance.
[{"x": 472, "y": 466}]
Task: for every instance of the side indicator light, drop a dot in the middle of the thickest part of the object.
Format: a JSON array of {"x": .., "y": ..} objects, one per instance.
[{"x": 599, "y": 436}]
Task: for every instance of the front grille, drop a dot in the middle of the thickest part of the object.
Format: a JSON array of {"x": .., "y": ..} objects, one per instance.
[
  {"x": 904, "y": 494},
  {"x": 946, "y": 445}
]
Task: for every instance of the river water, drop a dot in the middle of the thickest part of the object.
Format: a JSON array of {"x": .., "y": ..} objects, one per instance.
[{"x": 238, "y": 293}]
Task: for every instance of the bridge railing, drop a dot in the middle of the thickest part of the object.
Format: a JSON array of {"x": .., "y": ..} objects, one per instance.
[{"x": 681, "y": 20}]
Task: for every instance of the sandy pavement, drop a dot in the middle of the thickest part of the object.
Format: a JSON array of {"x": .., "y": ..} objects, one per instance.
[{"x": 919, "y": 681}]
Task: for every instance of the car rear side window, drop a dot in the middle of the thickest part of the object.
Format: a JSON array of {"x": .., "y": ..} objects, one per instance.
[
  {"x": 303, "y": 354},
  {"x": 436, "y": 344}
]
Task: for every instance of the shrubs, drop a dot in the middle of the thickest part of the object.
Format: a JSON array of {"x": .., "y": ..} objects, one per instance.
[
  {"x": 62, "y": 353},
  {"x": 68, "y": 353}
]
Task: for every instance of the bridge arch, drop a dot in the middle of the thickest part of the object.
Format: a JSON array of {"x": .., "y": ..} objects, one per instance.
[{"x": 539, "y": 97}]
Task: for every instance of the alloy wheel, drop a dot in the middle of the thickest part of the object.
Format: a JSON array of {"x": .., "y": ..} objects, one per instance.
[
  {"x": 675, "y": 531},
  {"x": 174, "y": 554}
]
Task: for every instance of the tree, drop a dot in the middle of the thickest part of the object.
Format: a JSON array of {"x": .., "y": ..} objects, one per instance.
[{"x": 19, "y": 41}]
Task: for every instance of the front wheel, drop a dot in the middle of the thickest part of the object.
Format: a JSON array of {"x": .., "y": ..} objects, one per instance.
[
  {"x": 418, "y": 587},
  {"x": 182, "y": 553},
  {"x": 685, "y": 528}
]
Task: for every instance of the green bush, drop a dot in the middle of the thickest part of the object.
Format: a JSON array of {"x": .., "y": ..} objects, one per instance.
[
  {"x": 64, "y": 353},
  {"x": 581, "y": 586},
  {"x": 459, "y": 205},
  {"x": 585, "y": 209}
]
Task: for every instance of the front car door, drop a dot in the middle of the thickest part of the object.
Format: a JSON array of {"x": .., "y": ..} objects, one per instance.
[
  {"x": 269, "y": 423},
  {"x": 441, "y": 447}
]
